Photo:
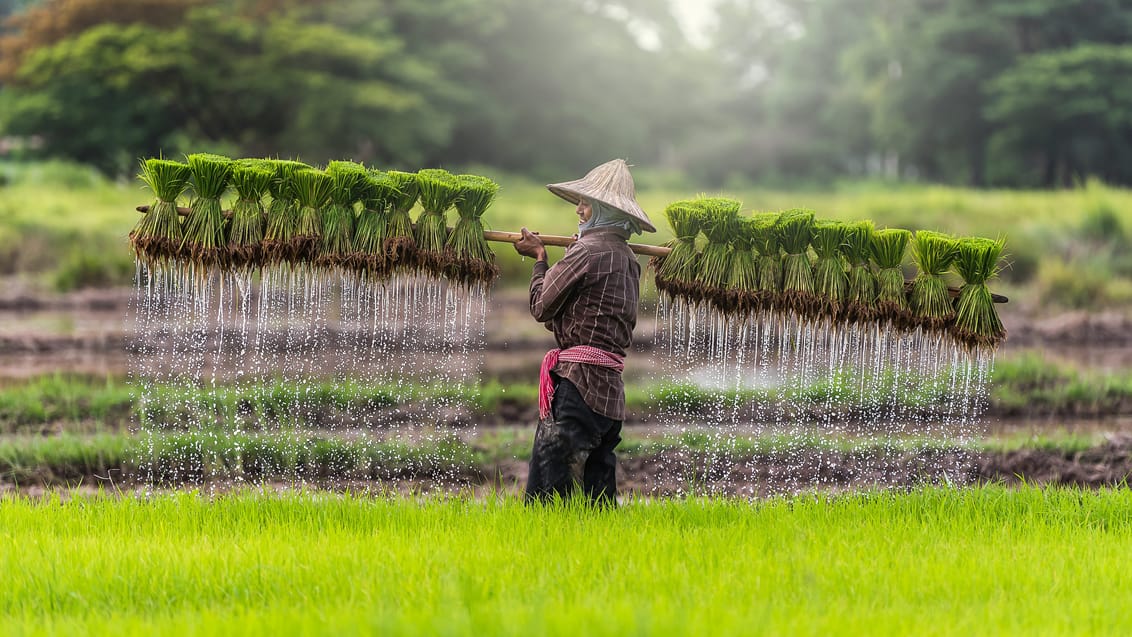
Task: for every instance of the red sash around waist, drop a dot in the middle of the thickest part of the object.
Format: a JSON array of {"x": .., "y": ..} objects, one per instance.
[{"x": 578, "y": 354}]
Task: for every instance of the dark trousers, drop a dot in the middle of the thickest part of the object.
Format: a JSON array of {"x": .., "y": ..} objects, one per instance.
[{"x": 574, "y": 446}]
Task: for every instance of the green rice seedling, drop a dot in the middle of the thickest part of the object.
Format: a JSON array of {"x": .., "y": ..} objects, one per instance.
[
  {"x": 400, "y": 245},
  {"x": 676, "y": 272},
  {"x": 157, "y": 236},
  {"x": 795, "y": 228},
  {"x": 350, "y": 181},
  {"x": 371, "y": 229},
  {"x": 888, "y": 249},
  {"x": 253, "y": 561},
  {"x": 439, "y": 192},
  {"x": 204, "y": 243},
  {"x": 473, "y": 261},
  {"x": 831, "y": 282},
  {"x": 766, "y": 243},
  {"x": 313, "y": 189},
  {"x": 862, "y": 295},
  {"x": 283, "y": 213},
  {"x": 976, "y": 322},
  {"x": 251, "y": 179},
  {"x": 720, "y": 222},
  {"x": 743, "y": 283},
  {"x": 931, "y": 301}
]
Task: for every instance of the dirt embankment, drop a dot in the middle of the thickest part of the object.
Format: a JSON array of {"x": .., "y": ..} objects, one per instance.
[
  {"x": 673, "y": 473},
  {"x": 677, "y": 473},
  {"x": 88, "y": 332},
  {"x": 1072, "y": 329}
]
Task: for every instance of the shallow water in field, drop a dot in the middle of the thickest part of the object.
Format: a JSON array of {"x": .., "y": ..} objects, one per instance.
[
  {"x": 233, "y": 363},
  {"x": 299, "y": 373},
  {"x": 796, "y": 381}
]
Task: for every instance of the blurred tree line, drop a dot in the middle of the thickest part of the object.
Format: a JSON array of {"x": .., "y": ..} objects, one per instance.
[{"x": 1011, "y": 92}]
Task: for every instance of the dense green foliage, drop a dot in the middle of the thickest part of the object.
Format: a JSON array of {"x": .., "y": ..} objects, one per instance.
[
  {"x": 1021, "y": 93},
  {"x": 961, "y": 561}
]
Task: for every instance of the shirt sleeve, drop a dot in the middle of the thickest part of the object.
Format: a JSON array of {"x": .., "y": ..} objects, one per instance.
[{"x": 551, "y": 288}]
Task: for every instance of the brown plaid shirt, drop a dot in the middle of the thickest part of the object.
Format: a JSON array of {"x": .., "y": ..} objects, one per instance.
[{"x": 590, "y": 298}]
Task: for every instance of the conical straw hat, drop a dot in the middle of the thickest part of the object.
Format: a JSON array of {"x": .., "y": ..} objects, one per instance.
[{"x": 609, "y": 183}]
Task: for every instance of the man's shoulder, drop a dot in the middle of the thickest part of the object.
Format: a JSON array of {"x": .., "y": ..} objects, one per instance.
[
  {"x": 579, "y": 248},
  {"x": 617, "y": 249},
  {"x": 603, "y": 240}
]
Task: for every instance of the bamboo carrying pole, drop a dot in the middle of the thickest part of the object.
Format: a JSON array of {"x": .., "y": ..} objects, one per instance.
[
  {"x": 565, "y": 242},
  {"x": 509, "y": 237}
]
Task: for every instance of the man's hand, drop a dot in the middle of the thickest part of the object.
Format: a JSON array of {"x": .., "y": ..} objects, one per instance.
[{"x": 530, "y": 245}]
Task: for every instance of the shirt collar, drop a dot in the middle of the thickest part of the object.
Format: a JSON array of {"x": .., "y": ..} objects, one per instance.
[{"x": 605, "y": 232}]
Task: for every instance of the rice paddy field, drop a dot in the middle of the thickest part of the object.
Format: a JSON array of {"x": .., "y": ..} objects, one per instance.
[
  {"x": 934, "y": 561},
  {"x": 213, "y": 465}
]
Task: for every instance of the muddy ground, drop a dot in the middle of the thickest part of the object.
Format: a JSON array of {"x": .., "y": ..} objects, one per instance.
[
  {"x": 89, "y": 333},
  {"x": 682, "y": 473}
]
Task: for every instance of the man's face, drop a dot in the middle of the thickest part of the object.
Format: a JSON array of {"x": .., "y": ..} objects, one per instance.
[{"x": 584, "y": 211}]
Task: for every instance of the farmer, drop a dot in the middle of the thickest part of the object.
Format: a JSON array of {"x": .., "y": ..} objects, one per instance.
[{"x": 589, "y": 300}]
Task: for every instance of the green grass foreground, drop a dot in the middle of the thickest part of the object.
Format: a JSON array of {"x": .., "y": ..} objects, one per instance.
[{"x": 938, "y": 561}]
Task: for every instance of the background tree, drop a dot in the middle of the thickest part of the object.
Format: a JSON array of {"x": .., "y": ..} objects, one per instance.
[
  {"x": 1014, "y": 92},
  {"x": 1067, "y": 114}
]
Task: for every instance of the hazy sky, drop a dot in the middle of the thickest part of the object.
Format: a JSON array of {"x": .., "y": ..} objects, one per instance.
[{"x": 695, "y": 15}]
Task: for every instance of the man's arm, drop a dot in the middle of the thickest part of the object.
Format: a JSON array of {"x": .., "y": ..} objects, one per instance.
[{"x": 551, "y": 287}]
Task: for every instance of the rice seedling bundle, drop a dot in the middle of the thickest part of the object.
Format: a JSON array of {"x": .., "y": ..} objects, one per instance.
[
  {"x": 766, "y": 243},
  {"x": 795, "y": 229},
  {"x": 250, "y": 179},
  {"x": 720, "y": 221},
  {"x": 439, "y": 191},
  {"x": 931, "y": 302},
  {"x": 371, "y": 228},
  {"x": 313, "y": 189},
  {"x": 857, "y": 247},
  {"x": 204, "y": 243},
  {"x": 157, "y": 236},
  {"x": 336, "y": 245},
  {"x": 676, "y": 272},
  {"x": 831, "y": 282},
  {"x": 743, "y": 282},
  {"x": 888, "y": 249},
  {"x": 976, "y": 321},
  {"x": 283, "y": 213},
  {"x": 473, "y": 262},
  {"x": 400, "y": 245}
]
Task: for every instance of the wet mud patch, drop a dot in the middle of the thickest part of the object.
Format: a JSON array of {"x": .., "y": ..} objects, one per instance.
[
  {"x": 674, "y": 473},
  {"x": 1105, "y": 465},
  {"x": 668, "y": 473}
]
